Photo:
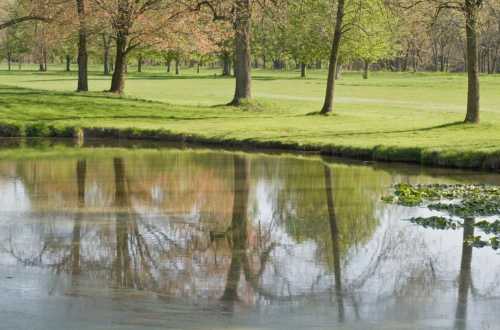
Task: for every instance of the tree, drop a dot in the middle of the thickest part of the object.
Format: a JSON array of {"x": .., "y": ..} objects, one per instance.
[
  {"x": 470, "y": 10},
  {"x": 82, "y": 47},
  {"x": 334, "y": 54},
  {"x": 375, "y": 40},
  {"x": 134, "y": 23},
  {"x": 239, "y": 13},
  {"x": 242, "y": 52},
  {"x": 14, "y": 44},
  {"x": 306, "y": 35}
]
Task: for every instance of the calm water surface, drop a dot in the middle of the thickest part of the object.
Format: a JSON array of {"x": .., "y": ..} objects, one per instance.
[{"x": 198, "y": 239}]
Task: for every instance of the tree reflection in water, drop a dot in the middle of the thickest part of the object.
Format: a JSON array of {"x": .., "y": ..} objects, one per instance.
[
  {"x": 230, "y": 231},
  {"x": 334, "y": 231},
  {"x": 81, "y": 173},
  {"x": 465, "y": 276},
  {"x": 238, "y": 232}
]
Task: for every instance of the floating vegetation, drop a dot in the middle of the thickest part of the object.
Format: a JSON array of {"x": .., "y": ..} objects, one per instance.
[
  {"x": 489, "y": 227},
  {"x": 475, "y": 196},
  {"x": 436, "y": 223},
  {"x": 479, "y": 242},
  {"x": 458, "y": 201}
]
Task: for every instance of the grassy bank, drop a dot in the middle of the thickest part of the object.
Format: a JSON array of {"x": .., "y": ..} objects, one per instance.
[{"x": 394, "y": 117}]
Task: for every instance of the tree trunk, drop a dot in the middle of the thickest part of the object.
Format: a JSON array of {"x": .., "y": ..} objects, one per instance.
[
  {"x": 106, "y": 42},
  {"x": 106, "y": 61},
  {"x": 226, "y": 69},
  {"x": 82, "y": 48},
  {"x": 334, "y": 54},
  {"x": 177, "y": 67},
  {"x": 472, "y": 63},
  {"x": 9, "y": 60},
  {"x": 366, "y": 68},
  {"x": 139, "y": 63},
  {"x": 118, "y": 79},
  {"x": 338, "y": 72},
  {"x": 303, "y": 69},
  {"x": 242, "y": 63},
  {"x": 68, "y": 63}
]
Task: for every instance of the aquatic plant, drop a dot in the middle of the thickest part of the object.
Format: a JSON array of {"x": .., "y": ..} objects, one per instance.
[
  {"x": 459, "y": 201},
  {"x": 435, "y": 222}
]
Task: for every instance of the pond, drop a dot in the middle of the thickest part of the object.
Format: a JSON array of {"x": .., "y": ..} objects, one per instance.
[{"x": 170, "y": 237}]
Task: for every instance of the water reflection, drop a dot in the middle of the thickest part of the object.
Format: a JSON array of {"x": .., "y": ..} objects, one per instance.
[
  {"x": 270, "y": 242},
  {"x": 465, "y": 277},
  {"x": 238, "y": 229},
  {"x": 334, "y": 231}
]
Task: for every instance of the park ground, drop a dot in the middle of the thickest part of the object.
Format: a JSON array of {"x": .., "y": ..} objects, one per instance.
[{"x": 413, "y": 117}]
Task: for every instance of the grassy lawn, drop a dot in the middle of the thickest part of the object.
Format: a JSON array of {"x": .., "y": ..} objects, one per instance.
[{"x": 410, "y": 117}]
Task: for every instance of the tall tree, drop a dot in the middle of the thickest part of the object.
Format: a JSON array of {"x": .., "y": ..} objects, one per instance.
[
  {"x": 242, "y": 52},
  {"x": 239, "y": 13},
  {"x": 135, "y": 23},
  {"x": 470, "y": 9},
  {"x": 334, "y": 57},
  {"x": 82, "y": 48}
]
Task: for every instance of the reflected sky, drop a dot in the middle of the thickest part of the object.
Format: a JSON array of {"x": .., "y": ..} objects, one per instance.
[{"x": 200, "y": 239}]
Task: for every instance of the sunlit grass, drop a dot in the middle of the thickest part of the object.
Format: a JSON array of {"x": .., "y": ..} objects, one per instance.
[{"x": 394, "y": 116}]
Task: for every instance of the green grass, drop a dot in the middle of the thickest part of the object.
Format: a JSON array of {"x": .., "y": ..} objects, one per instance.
[{"x": 391, "y": 116}]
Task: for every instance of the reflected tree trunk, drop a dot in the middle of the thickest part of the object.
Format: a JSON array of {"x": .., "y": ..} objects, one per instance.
[
  {"x": 121, "y": 271},
  {"x": 334, "y": 231},
  {"x": 238, "y": 227},
  {"x": 465, "y": 277},
  {"x": 81, "y": 173}
]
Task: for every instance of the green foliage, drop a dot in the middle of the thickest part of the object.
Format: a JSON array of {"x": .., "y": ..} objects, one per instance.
[
  {"x": 308, "y": 30},
  {"x": 370, "y": 36}
]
